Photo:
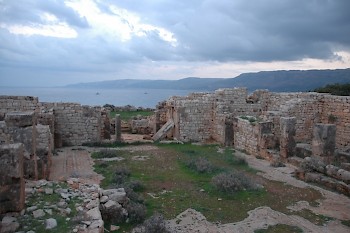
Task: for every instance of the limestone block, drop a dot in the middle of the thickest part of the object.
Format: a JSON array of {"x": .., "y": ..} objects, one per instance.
[
  {"x": 323, "y": 142},
  {"x": 20, "y": 119},
  {"x": 11, "y": 178},
  {"x": 27, "y": 136},
  {"x": 287, "y": 134}
]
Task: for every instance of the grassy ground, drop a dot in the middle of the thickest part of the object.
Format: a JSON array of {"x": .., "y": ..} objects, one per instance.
[
  {"x": 280, "y": 228},
  {"x": 127, "y": 115},
  {"x": 171, "y": 187}
]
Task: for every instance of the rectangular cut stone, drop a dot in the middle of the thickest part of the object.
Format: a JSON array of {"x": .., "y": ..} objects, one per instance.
[
  {"x": 20, "y": 119},
  {"x": 323, "y": 142},
  {"x": 287, "y": 134}
]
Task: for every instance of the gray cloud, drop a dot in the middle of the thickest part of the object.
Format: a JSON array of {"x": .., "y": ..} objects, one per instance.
[{"x": 29, "y": 11}]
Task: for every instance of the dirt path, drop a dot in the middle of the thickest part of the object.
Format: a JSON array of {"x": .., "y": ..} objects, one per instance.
[{"x": 74, "y": 162}]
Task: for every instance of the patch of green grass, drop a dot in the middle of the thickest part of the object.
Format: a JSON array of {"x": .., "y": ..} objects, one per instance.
[
  {"x": 176, "y": 187},
  {"x": 346, "y": 222},
  {"x": 127, "y": 115},
  {"x": 113, "y": 144},
  {"x": 317, "y": 219},
  {"x": 280, "y": 228}
]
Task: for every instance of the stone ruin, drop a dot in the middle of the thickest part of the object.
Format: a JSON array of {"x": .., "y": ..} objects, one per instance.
[
  {"x": 299, "y": 128},
  {"x": 310, "y": 130},
  {"x": 29, "y": 133}
]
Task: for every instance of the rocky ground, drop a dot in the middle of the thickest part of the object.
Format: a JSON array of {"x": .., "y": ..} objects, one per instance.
[{"x": 69, "y": 202}]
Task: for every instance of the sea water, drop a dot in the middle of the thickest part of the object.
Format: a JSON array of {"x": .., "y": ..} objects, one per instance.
[{"x": 118, "y": 97}]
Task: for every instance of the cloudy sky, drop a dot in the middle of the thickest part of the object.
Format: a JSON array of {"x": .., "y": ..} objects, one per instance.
[{"x": 56, "y": 42}]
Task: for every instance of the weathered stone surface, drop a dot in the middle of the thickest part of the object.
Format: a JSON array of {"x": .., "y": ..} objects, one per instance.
[
  {"x": 303, "y": 150},
  {"x": 50, "y": 223},
  {"x": 20, "y": 119},
  {"x": 287, "y": 134},
  {"x": 11, "y": 173},
  {"x": 38, "y": 213},
  {"x": 9, "y": 224},
  {"x": 163, "y": 131},
  {"x": 323, "y": 142},
  {"x": 94, "y": 214}
]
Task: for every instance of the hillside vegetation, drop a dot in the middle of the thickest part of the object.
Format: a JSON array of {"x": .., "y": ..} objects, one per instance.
[
  {"x": 277, "y": 81},
  {"x": 335, "y": 89}
]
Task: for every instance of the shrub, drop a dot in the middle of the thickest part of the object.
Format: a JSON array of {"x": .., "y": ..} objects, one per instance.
[
  {"x": 136, "y": 212},
  {"x": 133, "y": 196},
  {"x": 235, "y": 160},
  {"x": 136, "y": 185},
  {"x": 201, "y": 165},
  {"x": 155, "y": 224},
  {"x": 121, "y": 174},
  {"x": 233, "y": 182},
  {"x": 115, "y": 214}
]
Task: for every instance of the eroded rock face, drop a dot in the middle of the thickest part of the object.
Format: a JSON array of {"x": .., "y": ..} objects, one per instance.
[{"x": 11, "y": 182}]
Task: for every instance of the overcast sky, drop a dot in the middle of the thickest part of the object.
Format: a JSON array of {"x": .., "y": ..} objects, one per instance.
[{"x": 56, "y": 42}]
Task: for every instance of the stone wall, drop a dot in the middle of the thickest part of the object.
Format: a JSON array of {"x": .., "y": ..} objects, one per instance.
[
  {"x": 11, "y": 174},
  {"x": 75, "y": 124},
  {"x": 44, "y": 149},
  {"x": 192, "y": 117},
  {"x": 70, "y": 123},
  {"x": 208, "y": 116},
  {"x": 246, "y": 136},
  {"x": 17, "y": 103},
  {"x": 336, "y": 110},
  {"x": 21, "y": 128}
]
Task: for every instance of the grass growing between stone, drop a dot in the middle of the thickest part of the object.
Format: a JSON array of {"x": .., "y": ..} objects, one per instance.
[
  {"x": 317, "y": 219},
  {"x": 47, "y": 202},
  {"x": 280, "y": 228},
  {"x": 171, "y": 185}
]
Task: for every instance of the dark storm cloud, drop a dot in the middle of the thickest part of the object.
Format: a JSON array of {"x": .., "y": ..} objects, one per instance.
[
  {"x": 30, "y": 11},
  {"x": 205, "y": 31},
  {"x": 252, "y": 30}
]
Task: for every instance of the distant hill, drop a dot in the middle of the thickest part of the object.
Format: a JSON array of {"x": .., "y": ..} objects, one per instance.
[{"x": 277, "y": 81}]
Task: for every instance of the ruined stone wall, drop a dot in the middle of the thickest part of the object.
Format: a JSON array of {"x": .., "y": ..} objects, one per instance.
[
  {"x": 75, "y": 124},
  {"x": 44, "y": 149},
  {"x": 305, "y": 107},
  {"x": 11, "y": 178},
  {"x": 17, "y": 103},
  {"x": 336, "y": 110},
  {"x": 246, "y": 136},
  {"x": 310, "y": 109},
  {"x": 232, "y": 102},
  {"x": 192, "y": 117}
]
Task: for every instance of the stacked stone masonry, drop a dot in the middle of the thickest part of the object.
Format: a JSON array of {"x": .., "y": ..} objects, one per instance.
[
  {"x": 12, "y": 181},
  {"x": 205, "y": 116}
]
